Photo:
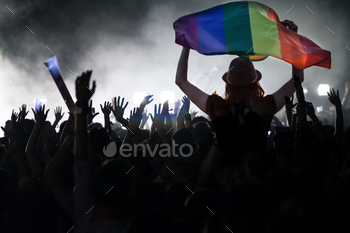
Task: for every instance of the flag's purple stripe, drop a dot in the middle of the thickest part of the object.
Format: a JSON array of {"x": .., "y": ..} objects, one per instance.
[
  {"x": 211, "y": 31},
  {"x": 186, "y": 29}
]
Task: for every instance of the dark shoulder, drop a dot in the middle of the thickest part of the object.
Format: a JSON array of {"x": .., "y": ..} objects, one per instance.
[
  {"x": 269, "y": 103},
  {"x": 214, "y": 100}
]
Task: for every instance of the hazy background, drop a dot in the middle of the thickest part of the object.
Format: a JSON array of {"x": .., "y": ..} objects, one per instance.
[{"x": 130, "y": 47}]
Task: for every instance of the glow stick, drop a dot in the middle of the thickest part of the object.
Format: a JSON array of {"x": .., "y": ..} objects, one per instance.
[{"x": 53, "y": 67}]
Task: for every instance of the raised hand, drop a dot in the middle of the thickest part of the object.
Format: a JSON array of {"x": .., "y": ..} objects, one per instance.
[
  {"x": 22, "y": 113},
  {"x": 158, "y": 118},
  {"x": 166, "y": 107},
  {"x": 91, "y": 116},
  {"x": 14, "y": 116},
  {"x": 146, "y": 100},
  {"x": 334, "y": 97},
  {"x": 40, "y": 116},
  {"x": 289, "y": 103},
  {"x": 119, "y": 109},
  {"x": 14, "y": 134},
  {"x": 310, "y": 110},
  {"x": 107, "y": 108},
  {"x": 58, "y": 114},
  {"x": 82, "y": 89},
  {"x": 135, "y": 118},
  {"x": 290, "y": 24},
  {"x": 186, "y": 104},
  {"x": 193, "y": 114}
]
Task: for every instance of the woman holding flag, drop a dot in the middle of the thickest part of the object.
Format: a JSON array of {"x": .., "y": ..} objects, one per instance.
[{"x": 241, "y": 86}]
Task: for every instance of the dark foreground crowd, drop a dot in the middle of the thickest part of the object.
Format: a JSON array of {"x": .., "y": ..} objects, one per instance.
[{"x": 184, "y": 174}]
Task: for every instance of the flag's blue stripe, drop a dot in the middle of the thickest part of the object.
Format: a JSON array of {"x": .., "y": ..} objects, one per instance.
[{"x": 211, "y": 33}]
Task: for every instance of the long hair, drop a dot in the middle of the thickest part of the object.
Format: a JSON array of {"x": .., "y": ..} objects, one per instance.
[{"x": 243, "y": 94}]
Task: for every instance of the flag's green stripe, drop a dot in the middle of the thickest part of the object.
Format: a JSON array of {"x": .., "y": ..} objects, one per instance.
[
  {"x": 237, "y": 28},
  {"x": 264, "y": 31}
]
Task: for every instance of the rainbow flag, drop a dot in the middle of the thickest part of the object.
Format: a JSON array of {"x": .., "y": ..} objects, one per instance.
[{"x": 247, "y": 29}]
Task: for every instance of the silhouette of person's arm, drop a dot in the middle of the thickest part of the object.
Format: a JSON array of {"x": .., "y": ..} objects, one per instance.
[
  {"x": 57, "y": 162},
  {"x": 40, "y": 117},
  {"x": 339, "y": 122},
  {"x": 118, "y": 110},
  {"x": 106, "y": 110},
  {"x": 58, "y": 116},
  {"x": 197, "y": 96},
  {"x": 83, "y": 95},
  {"x": 184, "y": 109}
]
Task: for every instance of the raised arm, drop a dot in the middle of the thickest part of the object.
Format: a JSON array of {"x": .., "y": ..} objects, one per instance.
[
  {"x": 287, "y": 90},
  {"x": 197, "y": 96},
  {"x": 40, "y": 117},
  {"x": 339, "y": 122}
]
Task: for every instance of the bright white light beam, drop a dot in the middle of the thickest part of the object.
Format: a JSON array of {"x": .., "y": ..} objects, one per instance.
[{"x": 323, "y": 89}]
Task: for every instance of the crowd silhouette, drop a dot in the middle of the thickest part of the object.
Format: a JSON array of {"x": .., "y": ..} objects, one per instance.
[{"x": 240, "y": 170}]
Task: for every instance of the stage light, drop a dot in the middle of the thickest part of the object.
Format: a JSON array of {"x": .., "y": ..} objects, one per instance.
[
  {"x": 305, "y": 90},
  {"x": 138, "y": 97},
  {"x": 319, "y": 109},
  {"x": 167, "y": 95},
  {"x": 323, "y": 89}
]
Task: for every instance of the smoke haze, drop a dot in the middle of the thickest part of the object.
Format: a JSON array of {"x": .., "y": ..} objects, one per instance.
[{"x": 130, "y": 47}]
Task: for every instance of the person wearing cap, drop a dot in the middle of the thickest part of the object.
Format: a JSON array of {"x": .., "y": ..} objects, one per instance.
[{"x": 242, "y": 86}]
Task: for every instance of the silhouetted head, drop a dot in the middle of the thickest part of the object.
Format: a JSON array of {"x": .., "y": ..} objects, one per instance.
[
  {"x": 185, "y": 141},
  {"x": 99, "y": 139},
  {"x": 242, "y": 81}
]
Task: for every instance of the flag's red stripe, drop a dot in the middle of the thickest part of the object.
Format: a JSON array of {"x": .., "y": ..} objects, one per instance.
[
  {"x": 271, "y": 14},
  {"x": 291, "y": 49}
]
